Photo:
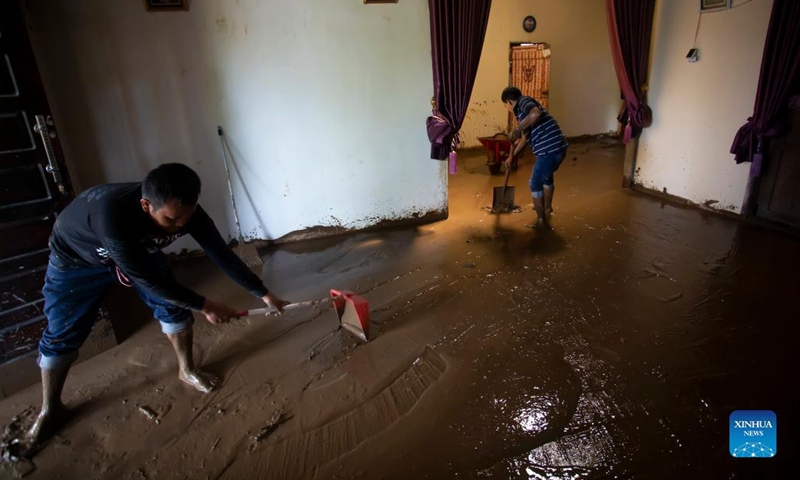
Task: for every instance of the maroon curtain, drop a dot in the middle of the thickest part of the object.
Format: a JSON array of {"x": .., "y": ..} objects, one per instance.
[
  {"x": 458, "y": 28},
  {"x": 780, "y": 75},
  {"x": 630, "y": 23}
]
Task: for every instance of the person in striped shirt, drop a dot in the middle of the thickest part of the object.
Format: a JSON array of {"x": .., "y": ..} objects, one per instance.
[{"x": 548, "y": 143}]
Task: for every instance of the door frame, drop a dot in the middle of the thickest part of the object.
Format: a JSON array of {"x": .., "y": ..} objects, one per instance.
[{"x": 27, "y": 214}]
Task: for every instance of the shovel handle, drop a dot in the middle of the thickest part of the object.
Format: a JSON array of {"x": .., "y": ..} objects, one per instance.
[{"x": 505, "y": 183}]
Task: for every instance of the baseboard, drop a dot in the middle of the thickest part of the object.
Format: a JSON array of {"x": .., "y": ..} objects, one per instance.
[
  {"x": 677, "y": 201},
  {"x": 312, "y": 233}
]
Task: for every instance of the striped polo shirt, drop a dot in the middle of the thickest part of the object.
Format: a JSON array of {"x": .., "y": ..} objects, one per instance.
[{"x": 544, "y": 136}]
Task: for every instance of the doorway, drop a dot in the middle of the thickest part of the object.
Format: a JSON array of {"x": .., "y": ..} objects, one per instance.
[
  {"x": 779, "y": 192},
  {"x": 529, "y": 70}
]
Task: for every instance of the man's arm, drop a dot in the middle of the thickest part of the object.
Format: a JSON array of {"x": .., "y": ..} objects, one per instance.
[
  {"x": 530, "y": 119},
  {"x": 138, "y": 265},
  {"x": 205, "y": 232}
]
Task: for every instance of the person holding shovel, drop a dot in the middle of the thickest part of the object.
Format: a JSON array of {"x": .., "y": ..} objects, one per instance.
[
  {"x": 115, "y": 233},
  {"x": 546, "y": 141}
]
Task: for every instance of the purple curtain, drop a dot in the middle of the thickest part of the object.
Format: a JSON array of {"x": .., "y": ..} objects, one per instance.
[
  {"x": 780, "y": 75},
  {"x": 630, "y": 23},
  {"x": 458, "y": 28}
]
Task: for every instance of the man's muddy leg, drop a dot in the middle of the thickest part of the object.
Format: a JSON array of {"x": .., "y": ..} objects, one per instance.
[
  {"x": 538, "y": 205},
  {"x": 187, "y": 372},
  {"x": 72, "y": 297},
  {"x": 52, "y": 411},
  {"x": 548, "y": 199}
]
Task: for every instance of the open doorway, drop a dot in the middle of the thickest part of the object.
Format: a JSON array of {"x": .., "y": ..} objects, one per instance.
[
  {"x": 779, "y": 192},
  {"x": 529, "y": 70}
]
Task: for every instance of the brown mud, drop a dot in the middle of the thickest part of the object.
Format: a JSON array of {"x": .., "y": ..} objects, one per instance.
[{"x": 614, "y": 346}]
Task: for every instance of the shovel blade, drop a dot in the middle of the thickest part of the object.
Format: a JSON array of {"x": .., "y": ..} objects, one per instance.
[{"x": 503, "y": 199}]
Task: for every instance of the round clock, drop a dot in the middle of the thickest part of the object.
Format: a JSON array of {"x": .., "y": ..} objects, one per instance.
[{"x": 529, "y": 24}]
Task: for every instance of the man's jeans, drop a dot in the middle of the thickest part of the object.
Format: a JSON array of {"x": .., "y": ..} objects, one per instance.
[{"x": 72, "y": 298}]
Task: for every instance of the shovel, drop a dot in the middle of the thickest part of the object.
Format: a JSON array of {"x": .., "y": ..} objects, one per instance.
[{"x": 503, "y": 197}]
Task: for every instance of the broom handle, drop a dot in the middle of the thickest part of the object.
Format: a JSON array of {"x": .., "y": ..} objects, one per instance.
[{"x": 230, "y": 186}]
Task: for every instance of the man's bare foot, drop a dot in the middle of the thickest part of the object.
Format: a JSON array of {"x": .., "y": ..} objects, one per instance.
[
  {"x": 548, "y": 212},
  {"x": 203, "y": 382},
  {"x": 538, "y": 225},
  {"x": 46, "y": 424}
]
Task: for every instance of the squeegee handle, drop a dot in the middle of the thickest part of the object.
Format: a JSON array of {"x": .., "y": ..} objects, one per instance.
[
  {"x": 267, "y": 310},
  {"x": 256, "y": 311}
]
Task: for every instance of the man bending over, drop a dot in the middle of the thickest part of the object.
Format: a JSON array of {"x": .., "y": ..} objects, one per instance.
[{"x": 115, "y": 233}]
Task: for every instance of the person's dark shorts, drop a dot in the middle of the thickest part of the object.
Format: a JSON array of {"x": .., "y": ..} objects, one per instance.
[
  {"x": 543, "y": 169},
  {"x": 72, "y": 298}
]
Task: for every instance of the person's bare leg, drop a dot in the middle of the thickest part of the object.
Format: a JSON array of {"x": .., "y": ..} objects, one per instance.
[
  {"x": 52, "y": 410},
  {"x": 538, "y": 205},
  {"x": 182, "y": 343},
  {"x": 548, "y": 199}
]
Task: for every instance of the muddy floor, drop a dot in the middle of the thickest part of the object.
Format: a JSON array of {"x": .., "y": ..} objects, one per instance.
[{"x": 614, "y": 346}]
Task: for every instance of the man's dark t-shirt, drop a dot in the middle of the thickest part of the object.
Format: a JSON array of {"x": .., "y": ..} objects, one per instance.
[{"x": 106, "y": 226}]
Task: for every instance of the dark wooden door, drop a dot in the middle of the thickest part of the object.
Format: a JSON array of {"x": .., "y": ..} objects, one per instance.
[
  {"x": 34, "y": 186},
  {"x": 779, "y": 193}
]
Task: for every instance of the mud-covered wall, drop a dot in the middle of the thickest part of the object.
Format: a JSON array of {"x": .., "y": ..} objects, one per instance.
[
  {"x": 323, "y": 103},
  {"x": 584, "y": 95},
  {"x": 698, "y": 107}
]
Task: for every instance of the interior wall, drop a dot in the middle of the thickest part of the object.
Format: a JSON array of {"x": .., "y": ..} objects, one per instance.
[
  {"x": 698, "y": 107},
  {"x": 323, "y": 104},
  {"x": 584, "y": 94}
]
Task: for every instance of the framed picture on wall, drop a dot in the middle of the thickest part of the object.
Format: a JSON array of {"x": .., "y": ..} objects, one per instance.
[
  {"x": 166, "y": 5},
  {"x": 714, "y": 5}
]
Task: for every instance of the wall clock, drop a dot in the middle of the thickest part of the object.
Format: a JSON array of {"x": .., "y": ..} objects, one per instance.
[{"x": 529, "y": 24}]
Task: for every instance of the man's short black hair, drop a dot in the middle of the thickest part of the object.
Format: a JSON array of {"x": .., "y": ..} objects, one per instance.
[
  {"x": 511, "y": 94},
  {"x": 171, "y": 181}
]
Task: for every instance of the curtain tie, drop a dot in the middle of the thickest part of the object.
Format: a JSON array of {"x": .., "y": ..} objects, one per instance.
[{"x": 641, "y": 117}]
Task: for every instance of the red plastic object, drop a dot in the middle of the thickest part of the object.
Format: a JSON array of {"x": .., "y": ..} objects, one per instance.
[
  {"x": 498, "y": 148},
  {"x": 353, "y": 312}
]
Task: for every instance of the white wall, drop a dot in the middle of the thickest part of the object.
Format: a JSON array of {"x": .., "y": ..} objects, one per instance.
[
  {"x": 324, "y": 103},
  {"x": 584, "y": 94},
  {"x": 698, "y": 107}
]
